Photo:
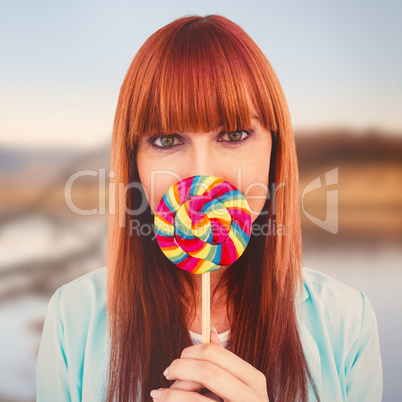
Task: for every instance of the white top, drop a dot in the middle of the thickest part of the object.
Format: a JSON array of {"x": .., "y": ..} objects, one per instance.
[{"x": 197, "y": 338}]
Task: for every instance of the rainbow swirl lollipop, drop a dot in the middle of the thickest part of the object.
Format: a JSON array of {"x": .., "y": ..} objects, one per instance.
[{"x": 202, "y": 222}]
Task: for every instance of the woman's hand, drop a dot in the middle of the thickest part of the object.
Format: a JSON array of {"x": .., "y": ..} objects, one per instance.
[{"x": 225, "y": 376}]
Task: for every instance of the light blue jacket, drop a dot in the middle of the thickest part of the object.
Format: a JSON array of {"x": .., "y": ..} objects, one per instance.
[{"x": 337, "y": 326}]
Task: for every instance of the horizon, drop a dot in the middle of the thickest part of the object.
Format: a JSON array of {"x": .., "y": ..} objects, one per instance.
[{"x": 318, "y": 132}]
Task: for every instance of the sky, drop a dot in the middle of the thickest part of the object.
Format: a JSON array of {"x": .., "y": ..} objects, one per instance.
[{"x": 62, "y": 63}]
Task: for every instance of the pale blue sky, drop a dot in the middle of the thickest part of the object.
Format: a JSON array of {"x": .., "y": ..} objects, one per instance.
[{"x": 62, "y": 63}]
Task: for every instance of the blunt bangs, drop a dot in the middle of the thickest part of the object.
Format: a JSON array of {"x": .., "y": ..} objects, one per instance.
[{"x": 198, "y": 76}]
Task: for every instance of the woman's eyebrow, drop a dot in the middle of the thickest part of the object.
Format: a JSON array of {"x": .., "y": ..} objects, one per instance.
[{"x": 254, "y": 117}]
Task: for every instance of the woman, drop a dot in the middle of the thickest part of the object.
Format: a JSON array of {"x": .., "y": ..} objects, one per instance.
[{"x": 200, "y": 97}]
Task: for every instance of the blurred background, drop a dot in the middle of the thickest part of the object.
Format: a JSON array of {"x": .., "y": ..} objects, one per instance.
[{"x": 62, "y": 66}]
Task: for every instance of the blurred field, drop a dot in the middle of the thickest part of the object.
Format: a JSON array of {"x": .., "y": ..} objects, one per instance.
[
  {"x": 44, "y": 245},
  {"x": 369, "y": 185},
  {"x": 370, "y": 198}
]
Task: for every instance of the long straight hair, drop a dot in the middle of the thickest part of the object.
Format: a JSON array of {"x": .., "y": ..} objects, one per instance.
[{"x": 198, "y": 74}]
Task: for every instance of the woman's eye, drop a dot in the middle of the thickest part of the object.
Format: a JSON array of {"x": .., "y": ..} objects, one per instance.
[
  {"x": 237, "y": 137},
  {"x": 167, "y": 141}
]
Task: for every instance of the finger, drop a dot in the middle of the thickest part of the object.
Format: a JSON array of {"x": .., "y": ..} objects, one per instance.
[
  {"x": 187, "y": 385},
  {"x": 226, "y": 360},
  {"x": 211, "y": 395},
  {"x": 195, "y": 386},
  {"x": 211, "y": 377},
  {"x": 215, "y": 338},
  {"x": 177, "y": 395}
]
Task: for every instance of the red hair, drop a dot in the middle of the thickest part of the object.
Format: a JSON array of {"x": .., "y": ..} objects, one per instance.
[{"x": 198, "y": 74}]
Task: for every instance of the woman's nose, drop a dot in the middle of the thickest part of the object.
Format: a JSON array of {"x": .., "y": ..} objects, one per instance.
[{"x": 204, "y": 162}]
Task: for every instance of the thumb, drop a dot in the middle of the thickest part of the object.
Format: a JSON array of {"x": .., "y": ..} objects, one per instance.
[{"x": 215, "y": 338}]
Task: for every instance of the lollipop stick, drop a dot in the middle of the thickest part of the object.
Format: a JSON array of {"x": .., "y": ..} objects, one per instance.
[{"x": 206, "y": 306}]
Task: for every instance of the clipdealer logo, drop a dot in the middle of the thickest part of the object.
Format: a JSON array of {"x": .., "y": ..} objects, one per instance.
[{"x": 330, "y": 223}]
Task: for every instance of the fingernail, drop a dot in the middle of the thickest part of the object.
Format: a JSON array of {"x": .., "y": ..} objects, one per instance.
[
  {"x": 155, "y": 393},
  {"x": 213, "y": 329},
  {"x": 165, "y": 373}
]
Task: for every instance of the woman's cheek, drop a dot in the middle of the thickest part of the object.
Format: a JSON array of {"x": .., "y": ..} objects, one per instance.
[{"x": 256, "y": 194}]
